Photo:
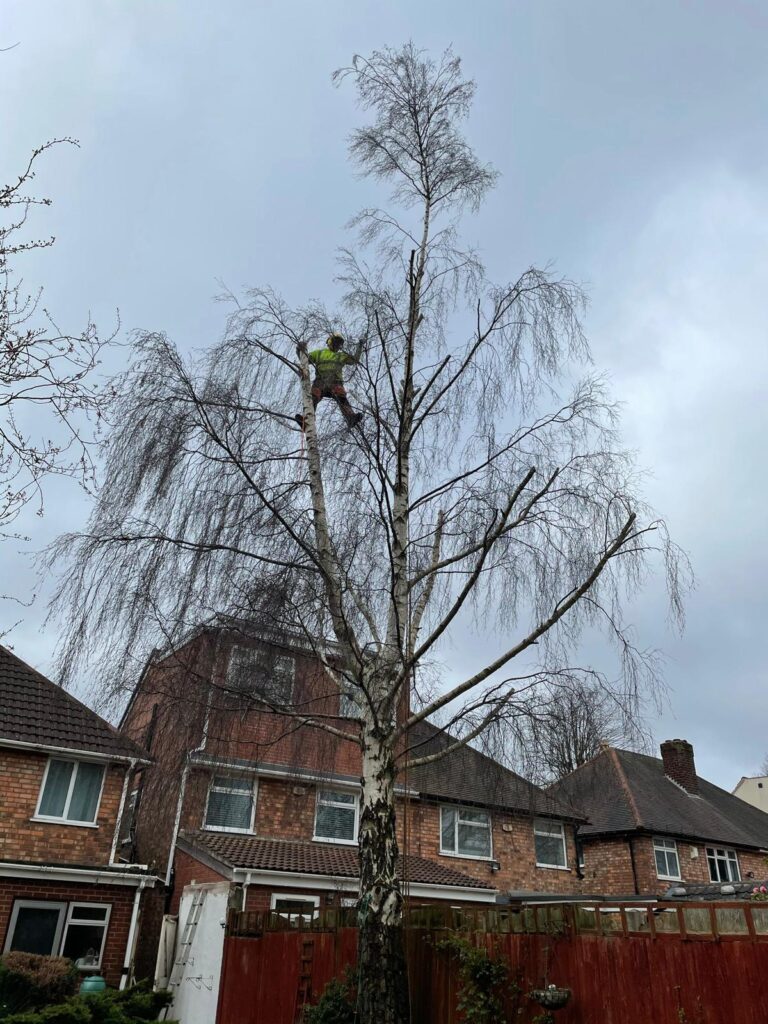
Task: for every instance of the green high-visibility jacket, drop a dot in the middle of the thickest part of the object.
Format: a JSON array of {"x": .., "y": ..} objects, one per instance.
[{"x": 329, "y": 365}]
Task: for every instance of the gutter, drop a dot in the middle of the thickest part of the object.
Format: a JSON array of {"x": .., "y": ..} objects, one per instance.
[
  {"x": 85, "y": 755},
  {"x": 61, "y": 873}
]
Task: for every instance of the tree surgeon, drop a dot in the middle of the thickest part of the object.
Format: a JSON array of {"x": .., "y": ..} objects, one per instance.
[{"x": 329, "y": 363}]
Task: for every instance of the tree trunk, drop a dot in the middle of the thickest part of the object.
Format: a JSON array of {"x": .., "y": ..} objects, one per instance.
[{"x": 382, "y": 970}]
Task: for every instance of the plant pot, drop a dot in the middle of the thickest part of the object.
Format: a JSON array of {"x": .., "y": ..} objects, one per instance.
[{"x": 551, "y": 998}]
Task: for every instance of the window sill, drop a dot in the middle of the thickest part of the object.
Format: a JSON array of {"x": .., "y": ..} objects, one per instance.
[
  {"x": 466, "y": 856},
  {"x": 336, "y": 842},
  {"x": 64, "y": 821},
  {"x": 669, "y": 878},
  {"x": 554, "y": 867},
  {"x": 236, "y": 831}
]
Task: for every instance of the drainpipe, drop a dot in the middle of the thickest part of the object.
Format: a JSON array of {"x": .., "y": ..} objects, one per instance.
[
  {"x": 131, "y": 936},
  {"x": 115, "y": 839},
  {"x": 177, "y": 822},
  {"x": 634, "y": 865}
]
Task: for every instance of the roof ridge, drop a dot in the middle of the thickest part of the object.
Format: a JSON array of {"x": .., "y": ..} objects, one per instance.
[{"x": 613, "y": 754}]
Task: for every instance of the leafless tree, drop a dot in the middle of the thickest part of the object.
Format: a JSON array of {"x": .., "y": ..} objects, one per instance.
[
  {"x": 487, "y": 478},
  {"x": 570, "y": 726},
  {"x": 48, "y": 391}
]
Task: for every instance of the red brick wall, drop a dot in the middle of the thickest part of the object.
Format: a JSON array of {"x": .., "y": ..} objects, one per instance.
[
  {"x": 21, "y": 839},
  {"x": 608, "y": 869},
  {"x": 187, "y": 869},
  {"x": 285, "y": 809},
  {"x": 120, "y": 898}
]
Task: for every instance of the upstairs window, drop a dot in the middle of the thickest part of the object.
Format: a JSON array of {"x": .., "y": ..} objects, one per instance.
[
  {"x": 71, "y": 792},
  {"x": 336, "y": 816},
  {"x": 231, "y": 804},
  {"x": 261, "y": 672},
  {"x": 667, "y": 861},
  {"x": 465, "y": 832},
  {"x": 723, "y": 865},
  {"x": 549, "y": 840}
]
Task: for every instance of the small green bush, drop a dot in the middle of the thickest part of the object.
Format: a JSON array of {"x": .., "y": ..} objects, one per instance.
[
  {"x": 132, "y": 1006},
  {"x": 335, "y": 1006}
]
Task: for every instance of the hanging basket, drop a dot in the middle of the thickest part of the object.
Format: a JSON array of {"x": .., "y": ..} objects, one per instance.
[{"x": 551, "y": 998}]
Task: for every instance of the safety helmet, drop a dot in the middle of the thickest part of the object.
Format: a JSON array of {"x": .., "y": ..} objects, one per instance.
[{"x": 335, "y": 341}]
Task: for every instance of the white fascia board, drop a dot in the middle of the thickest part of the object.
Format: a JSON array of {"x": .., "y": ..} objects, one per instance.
[
  {"x": 83, "y": 755},
  {"x": 297, "y": 777},
  {"x": 57, "y": 873},
  {"x": 299, "y": 880}
]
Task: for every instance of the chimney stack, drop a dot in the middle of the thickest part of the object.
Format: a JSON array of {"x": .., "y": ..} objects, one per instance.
[{"x": 679, "y": 764}]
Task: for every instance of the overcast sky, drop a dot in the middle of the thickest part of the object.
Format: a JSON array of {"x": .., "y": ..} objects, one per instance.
[{"x": 633, "y": 147}]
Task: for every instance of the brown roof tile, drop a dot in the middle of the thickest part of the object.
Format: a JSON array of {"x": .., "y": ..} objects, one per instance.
[
  {"x": 240, "y": 851},
  {"x": 35, "y": 710}
]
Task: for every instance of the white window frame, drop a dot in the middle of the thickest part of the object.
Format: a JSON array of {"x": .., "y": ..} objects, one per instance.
[
  {"x": 666, "y": 845},
  {"x": 337, "y": 789},
  {"x": 38, "y": 904},
  {"x": 71, "y": 913},
  {"x": 254, "y": 652},
  {"x": 457, "y": 808},
  {"x": 730, "y": 857},
  {"x": 348, "y": 706},
  {"x": 64, "y": 820},
  {"x": 297, "y": 897},
  {"x": 238, "y": 792},
  {"x": 545, "y": 827}
]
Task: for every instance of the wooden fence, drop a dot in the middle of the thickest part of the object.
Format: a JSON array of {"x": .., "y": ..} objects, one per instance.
[{"x": 625, "y": 963}]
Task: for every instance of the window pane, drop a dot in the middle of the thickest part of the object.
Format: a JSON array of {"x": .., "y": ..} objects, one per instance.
[
  {"x": 448, "y": 829},
  {"x": 85, "y": 795},
  {"x": 83, "y": 940},
  {"x": 335, "y": 822},
  {"x": 337, "y": 797},
  {"x": 474, "y": 840},
  {"x": 229, "y": 810},
  {"x": 479, "y": 816},
  {"x": 35, "y": 930},
  {"x": 56, "y": 788},
  {"x": 232, "y": 782},
  {"x": 256, "y": 670},
  {"x": 82, "y": 913},
  {"x": 550, "y": 850}
]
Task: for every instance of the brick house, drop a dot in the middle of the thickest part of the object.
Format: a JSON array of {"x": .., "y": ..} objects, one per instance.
[
  {"x": 655, "y": 825},
  {"x": 237, "y": 792},
  {"x": 64, "y": 783}
]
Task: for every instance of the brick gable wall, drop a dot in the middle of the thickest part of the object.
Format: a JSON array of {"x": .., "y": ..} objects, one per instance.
[{"x": 21, "y": 839}]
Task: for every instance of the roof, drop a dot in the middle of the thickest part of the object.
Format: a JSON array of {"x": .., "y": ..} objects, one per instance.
[
  {"x": 716, "y": 891},
  {"x": 467, "y": 775},
  {"x": 254, "y": 853},
  {"x": 621, "y": 791},
  {"x": 34, "y": 710}
]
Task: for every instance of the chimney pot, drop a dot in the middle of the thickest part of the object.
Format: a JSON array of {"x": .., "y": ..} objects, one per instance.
[{"x": 679, "y": 765}]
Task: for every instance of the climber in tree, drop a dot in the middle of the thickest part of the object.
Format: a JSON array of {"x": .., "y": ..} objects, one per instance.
[{"x": 329, "y": 363}]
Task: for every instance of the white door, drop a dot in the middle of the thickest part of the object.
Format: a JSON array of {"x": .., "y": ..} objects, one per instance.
[{"x": 197, "y": 990}]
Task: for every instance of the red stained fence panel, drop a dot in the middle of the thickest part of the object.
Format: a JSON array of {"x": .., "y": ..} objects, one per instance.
[{"x": 628, "y": 968}]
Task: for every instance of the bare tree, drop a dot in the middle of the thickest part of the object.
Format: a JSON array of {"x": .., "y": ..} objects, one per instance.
[
  {"x": 570, "y": 728},
  {"x": 487, "y": 477},
  {"x": 48, "y": 391}
]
